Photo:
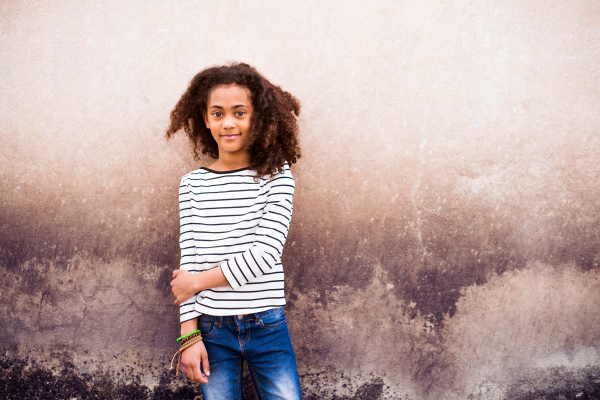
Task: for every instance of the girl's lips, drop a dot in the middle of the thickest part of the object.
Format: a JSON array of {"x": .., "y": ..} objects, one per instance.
[{"x": 230, "y": 137}]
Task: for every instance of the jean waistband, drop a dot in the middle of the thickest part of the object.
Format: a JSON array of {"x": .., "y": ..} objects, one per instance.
[{"x": 240, "y": 317}]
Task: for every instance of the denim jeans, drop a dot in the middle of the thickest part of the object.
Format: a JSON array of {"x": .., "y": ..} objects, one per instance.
[{"x": 262, "y": 339}]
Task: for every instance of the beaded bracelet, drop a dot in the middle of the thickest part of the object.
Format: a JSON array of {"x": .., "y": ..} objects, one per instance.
[
  {"x": 190, "y": 337},
  {"x": 190, "y": 343},
  {"x": 189, "y": 334}
]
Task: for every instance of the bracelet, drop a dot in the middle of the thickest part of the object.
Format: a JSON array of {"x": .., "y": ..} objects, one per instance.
[
  {"x": 189, "y": 334},
  {"x": 185, "y": 340},
  {"x": 190, "y": 344}
]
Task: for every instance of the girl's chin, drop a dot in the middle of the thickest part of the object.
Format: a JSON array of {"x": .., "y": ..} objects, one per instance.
[{"x": 231, "y": 147}]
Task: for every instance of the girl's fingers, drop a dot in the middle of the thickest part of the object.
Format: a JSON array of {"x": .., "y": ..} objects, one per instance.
[
  {"x": 176, "y": 273},
  {"x": 199, "y": 376},
  {"x": 178, "y": 301},
  {"x": 205, "y": 365},
  {"x": 191, "y": 374}
]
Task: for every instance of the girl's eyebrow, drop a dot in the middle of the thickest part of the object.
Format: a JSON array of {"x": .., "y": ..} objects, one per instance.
[{"x": 236, "y": 106}]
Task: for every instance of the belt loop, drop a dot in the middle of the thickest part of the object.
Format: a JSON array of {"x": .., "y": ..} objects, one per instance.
[
  {"x": 258, "y": 319},
  {"x": 220, "y": 322}
]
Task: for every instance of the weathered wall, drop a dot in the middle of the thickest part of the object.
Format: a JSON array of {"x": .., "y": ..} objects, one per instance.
[{"x": 445, "y": 239}]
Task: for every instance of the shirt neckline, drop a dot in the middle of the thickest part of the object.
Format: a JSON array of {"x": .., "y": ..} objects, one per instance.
[{"x": 225, "y": 172}]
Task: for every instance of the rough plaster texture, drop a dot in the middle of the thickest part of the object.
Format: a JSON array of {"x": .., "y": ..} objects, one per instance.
[{"x": 445, "y": 240}]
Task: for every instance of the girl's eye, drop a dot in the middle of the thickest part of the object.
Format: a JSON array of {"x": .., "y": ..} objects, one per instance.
[
  {"x": 217, "y": 114},
  {"x": 240, "y": 113}
]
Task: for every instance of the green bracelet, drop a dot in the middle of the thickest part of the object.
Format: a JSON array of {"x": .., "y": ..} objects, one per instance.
[{"x": 189, "y": 334}]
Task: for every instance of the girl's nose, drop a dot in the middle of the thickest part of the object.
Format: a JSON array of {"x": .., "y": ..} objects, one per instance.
[{"x": 229, "y": 122}]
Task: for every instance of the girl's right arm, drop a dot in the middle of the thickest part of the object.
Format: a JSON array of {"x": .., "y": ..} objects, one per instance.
[
  {"x": 187, "y": 309},
  {"x": 192, "y": 356}
]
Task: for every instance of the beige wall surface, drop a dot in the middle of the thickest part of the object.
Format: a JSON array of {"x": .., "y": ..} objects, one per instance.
[{"x": 445, "y": 239}]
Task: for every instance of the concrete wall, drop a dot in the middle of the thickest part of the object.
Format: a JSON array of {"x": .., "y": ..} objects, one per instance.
[{"x": 445, "y": 240}]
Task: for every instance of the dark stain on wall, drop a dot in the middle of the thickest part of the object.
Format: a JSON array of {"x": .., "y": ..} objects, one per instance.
[
  {"x": 430, "y": 263},
  {"x": 427, "y": 256},
  {"x": 22, "y": 378},
  {"x": 92, "y": 216},
  {"x": 28, "y": 239},
  {"x": 557, "y": 384}
]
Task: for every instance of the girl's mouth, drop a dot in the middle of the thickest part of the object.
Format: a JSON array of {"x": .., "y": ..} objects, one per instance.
[{"x": 230, "y": 137}]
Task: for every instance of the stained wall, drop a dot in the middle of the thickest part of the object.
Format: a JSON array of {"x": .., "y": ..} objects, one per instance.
[{"x": 444, "y": 243}]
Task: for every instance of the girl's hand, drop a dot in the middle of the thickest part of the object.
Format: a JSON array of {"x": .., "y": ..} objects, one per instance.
[
  {"x": 190, "y": 360},
  {"x": 182, "y": 285}
]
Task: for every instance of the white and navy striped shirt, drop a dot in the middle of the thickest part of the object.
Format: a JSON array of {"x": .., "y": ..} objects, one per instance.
[{"x": 230, "y": 220}]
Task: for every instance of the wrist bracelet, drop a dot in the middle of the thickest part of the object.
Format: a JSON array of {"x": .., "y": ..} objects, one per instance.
[
  {"x": 190, "y": 343},
  {"x": 189, "y": 334},
  {"x": 187, "y": 339}
]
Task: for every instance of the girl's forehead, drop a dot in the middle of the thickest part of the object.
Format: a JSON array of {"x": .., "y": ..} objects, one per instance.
[{"x": 229, "y": 93}]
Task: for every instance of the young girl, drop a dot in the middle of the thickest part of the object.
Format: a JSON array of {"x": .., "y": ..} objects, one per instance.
[{"x": 234, "y": 217}]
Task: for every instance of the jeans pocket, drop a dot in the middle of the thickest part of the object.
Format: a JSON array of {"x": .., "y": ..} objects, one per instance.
[
  {"x": 207, "y": 329},
  {"x": 273, "y": 320}
]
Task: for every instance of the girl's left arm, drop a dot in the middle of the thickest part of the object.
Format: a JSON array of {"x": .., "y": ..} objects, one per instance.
[{"x": 269, "y": 237}]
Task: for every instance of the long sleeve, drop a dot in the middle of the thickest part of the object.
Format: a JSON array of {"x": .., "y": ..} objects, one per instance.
[
  {"x": 188, "y": 250},
  {"x": 270, "y": 235}
]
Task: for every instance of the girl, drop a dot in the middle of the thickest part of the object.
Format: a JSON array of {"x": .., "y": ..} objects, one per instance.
[{"x": 234, "y": 217}]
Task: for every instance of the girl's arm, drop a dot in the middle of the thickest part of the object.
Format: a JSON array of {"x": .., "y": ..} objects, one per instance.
[
  {"x": 192, "y": 356},
  {"x": 188, "y": 250},
  {"x": 270, "y": 235}
]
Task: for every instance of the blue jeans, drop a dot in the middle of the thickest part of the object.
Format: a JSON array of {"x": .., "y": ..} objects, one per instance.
[{"x": 262, "y": 339}]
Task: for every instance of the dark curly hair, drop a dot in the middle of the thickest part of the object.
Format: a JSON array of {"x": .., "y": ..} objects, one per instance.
[{"x": 273, "y": 136}]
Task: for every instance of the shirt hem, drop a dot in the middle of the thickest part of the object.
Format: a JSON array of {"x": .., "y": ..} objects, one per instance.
[{"x": 228, "y": 313}]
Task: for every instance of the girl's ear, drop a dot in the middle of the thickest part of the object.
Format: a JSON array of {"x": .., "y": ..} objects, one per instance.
[{"x": 205, "y": 117}]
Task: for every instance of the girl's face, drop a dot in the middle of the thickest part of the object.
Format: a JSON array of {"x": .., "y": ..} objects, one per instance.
[{"x": 228, "y": 115}]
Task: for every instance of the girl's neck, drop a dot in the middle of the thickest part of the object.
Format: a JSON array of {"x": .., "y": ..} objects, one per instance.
[{"x": 225, "y": 163}]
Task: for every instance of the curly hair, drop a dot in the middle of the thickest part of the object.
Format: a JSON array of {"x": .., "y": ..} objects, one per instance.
[{"x": 273, "y": 135}]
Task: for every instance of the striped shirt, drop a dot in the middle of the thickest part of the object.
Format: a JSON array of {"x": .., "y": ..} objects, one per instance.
[{"x": 229, "y": 220}]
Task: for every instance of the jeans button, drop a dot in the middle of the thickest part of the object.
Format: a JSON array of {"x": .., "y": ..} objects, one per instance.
[{"x": 240, "y": 316}]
